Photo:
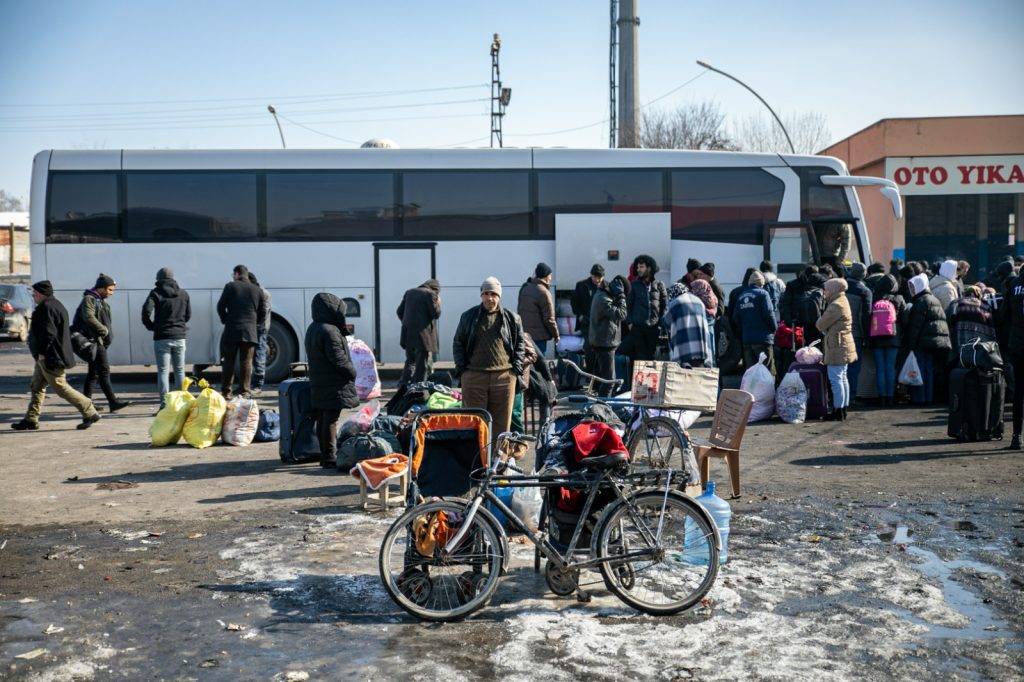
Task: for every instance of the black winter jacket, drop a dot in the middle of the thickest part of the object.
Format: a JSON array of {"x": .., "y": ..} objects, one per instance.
[
  {"x": 418, "y": 311},
  {"x": 606, "y": 317},
  {"x": 167, "y": 311},
  {"x": 49, "y": 335},
  {"x": 242, "y": 310},
  {"x": 1013, "y": 304},
  {"x": 511, "y": 334},
  {"x": 93, "y": 318},
  {"x": 926, "y": 324},
  {"x": 331, "y": 372},
  {"x": 860, "y": 298},
  {"x": 582, "y": 297},
  {"x": 647, "y": 302}
]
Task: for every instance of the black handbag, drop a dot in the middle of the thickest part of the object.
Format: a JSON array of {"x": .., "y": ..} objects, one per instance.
[
  {"x": 981, "y": 354},
  {"x": 83, "y": 347}
]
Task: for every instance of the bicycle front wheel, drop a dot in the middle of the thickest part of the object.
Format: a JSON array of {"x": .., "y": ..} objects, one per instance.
[
  {"x": 657, "y": 443},
  {"x": 433, "y": 584},
  {"x": 659, "y": 553}
]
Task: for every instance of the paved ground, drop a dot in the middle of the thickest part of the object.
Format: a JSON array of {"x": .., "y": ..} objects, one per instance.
[{"x": 872, "y": 549}]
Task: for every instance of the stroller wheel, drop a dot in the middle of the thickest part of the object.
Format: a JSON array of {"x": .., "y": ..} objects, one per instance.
[
  {"x": 469, "y": 585},
  {"x": 562, "y": 583},
  {"x": 416, "y": 585}
]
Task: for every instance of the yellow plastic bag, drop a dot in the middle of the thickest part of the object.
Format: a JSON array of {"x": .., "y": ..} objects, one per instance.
[
  {"x": 206, "y": 418},
  {"x": 170, "y": 420}
]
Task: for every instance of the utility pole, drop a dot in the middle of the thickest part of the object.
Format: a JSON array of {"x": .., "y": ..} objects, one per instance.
[
  {"x": 628, "y": 85},
  {"x": 500, "y": 96},
  {"x": 613, "y": 51}
]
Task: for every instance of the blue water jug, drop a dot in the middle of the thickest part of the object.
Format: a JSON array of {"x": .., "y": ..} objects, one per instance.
[{"x": 721, "y": 512}]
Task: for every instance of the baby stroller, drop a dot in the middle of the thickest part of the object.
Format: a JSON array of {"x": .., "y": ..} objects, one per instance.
[{"x": 445, "y": 448}]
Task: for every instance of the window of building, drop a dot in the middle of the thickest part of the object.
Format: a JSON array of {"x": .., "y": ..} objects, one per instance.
[
  {"x": 83, "y": 207},
  {"x": 190, "y": 206},
  {"x": 330, "y": 205},
  {"x": 597, "y": 191},
  {"x": 464, "y": 204},
  {"x": 724, "y": 205}
]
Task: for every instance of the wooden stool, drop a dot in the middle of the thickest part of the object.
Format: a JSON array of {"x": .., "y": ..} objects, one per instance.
[{"x": 384, "y": 496}]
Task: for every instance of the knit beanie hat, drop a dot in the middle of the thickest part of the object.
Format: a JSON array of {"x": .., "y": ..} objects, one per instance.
[
  {"x": 756, "y": 279},
  {"x": 692, "y": 264},
  {"x": 44, "y": 287},
  {"x": 708, "y": 269},
  {"x": 597, "y": 270},
  {"x": 491, "y": 284},
  {"x": 542, "y": 270},
  {"x": 104, "y": 281},
  {"x": 164, "y": 273},
  {"x": 857, "y": 270}
]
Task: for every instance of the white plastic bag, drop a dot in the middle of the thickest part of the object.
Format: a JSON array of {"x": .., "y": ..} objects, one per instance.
[
  {"x": 911, "y": 372},
  {"x": 367, "y": 380},
  {"x": 791, "y": 399},
  {"x": 809, "y": 355},
  {"x": 526, "y": 504},
  {"x": 760, "y": 382},
  {"x": 363, "y": 419},
  {"x": 241, "y": 419}
]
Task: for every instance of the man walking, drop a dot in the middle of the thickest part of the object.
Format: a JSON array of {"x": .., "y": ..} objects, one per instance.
[
  {"x": 537, "y": 308},
  {"x": 582, "y": 297},
  {"x": 490, "y": 352},
  {"x": 419, "y": 311},
  {"x": 166, "y": 313},
  {"x": 242, "y": 311},
  {"x": 94, "y": 320},
  {"x": 647, "y": 300},
  {"x": 49, "y": 341}
]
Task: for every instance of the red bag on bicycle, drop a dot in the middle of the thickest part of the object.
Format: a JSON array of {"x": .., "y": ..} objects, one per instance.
[{"x": 593, "y": 439}]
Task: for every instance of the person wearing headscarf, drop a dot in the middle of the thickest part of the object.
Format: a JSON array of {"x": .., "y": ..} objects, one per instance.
[
  {"x": 943, "y": 285},
  {"x": 836, "y": 327},
  {"x": 702, "y": 290},
  {"x": 332, "y": 375},
  {"x": 888, "y": 307},
  {"x": 689, "y": 340},
  {"x": 928, "y": 338},
  {"x": 970, "y": 318}
]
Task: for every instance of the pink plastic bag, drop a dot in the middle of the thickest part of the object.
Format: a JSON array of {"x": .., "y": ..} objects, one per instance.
[
  {"x": 367, "y": 380},
  {"x": 363, "y": 419},
  {"x": 809, "y": 355}
]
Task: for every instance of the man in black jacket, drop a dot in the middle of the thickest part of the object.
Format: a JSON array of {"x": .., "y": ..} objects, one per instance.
[
  {"x": 490, "y": 354},
  {"x": 331, "y": 372},
  {"x": 419, "y": 310},
  {"x": 582, "y": 297},
  {"x": 242, "y": 311},
  {"x": 94, "y": 319},
  {"x": 166, "y": 313},
  {"x": 49, "y": 341},
  {"x": 647, "y": 301}
]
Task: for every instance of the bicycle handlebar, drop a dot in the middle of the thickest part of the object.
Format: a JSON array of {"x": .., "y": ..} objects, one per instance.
[{"x": 592, "y": 380}]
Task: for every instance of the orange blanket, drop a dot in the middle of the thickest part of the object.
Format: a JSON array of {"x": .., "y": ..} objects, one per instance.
[{"x": 380, "y": 470}]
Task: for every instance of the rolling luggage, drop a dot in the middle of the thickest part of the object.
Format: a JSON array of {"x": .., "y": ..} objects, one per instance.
[
  {"x": 298, "y": 424},
  {"x": 976, "y": 403},
  {"x": 624, "y": 372},
  {"x": 815, "y": 378}
]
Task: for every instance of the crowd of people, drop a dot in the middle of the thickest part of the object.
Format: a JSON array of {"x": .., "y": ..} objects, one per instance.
[{"x": 927, "y": 309}]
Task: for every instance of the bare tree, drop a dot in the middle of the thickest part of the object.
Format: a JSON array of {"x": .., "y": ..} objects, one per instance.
[
  {"x": 9, "y": 202},
  {"x": 699, "y": 125},
  {"x": 761, "y": 133}
]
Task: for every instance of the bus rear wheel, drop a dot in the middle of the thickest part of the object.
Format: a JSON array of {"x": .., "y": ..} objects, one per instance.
[{"x": 282, "y": 351}]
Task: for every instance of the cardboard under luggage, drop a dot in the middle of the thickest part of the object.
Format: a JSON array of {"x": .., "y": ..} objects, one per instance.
[{"x": 667, "y": 384}]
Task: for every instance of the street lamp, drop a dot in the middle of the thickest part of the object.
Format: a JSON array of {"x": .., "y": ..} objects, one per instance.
[
  {"x": 273, "y": 112},
  {"x": 777, "y": 119}
]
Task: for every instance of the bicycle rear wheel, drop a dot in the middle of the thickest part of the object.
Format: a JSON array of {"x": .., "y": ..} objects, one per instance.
[
  {"x": 430, "y": 584},
  {"x": 658, "y": 443},
  {"x": 658, "y": 574}
]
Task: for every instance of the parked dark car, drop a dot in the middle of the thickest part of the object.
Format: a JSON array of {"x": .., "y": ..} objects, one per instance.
[{"x": 16, "y": 304}]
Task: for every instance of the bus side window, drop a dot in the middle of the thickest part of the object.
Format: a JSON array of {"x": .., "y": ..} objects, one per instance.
[{"x": 352, "y": 307}]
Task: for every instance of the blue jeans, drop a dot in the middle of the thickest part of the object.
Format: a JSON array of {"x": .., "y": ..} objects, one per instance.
[
  {"x": 854, "y": 367},
  {"x": 710, "y": 362},
  {"x": 921, "y": 395},
  {"x": 170, "y": 354},
  {"x": 259, "y": 362},
  {"x": 885, "y": 371},
  {"x": 840, "y": 386},
  {"x": 542, "y": 346}
]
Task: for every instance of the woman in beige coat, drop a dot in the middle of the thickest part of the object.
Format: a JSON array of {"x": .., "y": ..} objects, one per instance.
[{"x": 836, "y": 324}]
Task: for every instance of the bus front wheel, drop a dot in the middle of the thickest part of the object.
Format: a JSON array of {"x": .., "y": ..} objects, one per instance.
[{"x": 282, "y": 351}]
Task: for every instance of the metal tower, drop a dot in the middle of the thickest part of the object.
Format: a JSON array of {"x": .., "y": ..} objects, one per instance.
[
  {"x": 499, "y": 96},
  {"x": 613, "y": 51}
]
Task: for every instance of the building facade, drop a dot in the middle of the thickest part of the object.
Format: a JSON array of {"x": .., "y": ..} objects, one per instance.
[{"x": 962, "y": 181}]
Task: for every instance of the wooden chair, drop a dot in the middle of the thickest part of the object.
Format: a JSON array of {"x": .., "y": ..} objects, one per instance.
[{"x": 731, "y": 416}]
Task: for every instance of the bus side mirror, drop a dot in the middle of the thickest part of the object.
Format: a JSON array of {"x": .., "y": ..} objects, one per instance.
[{"x": 893, "y": 196}]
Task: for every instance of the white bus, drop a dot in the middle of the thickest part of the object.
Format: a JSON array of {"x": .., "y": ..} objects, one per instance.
[{"x": 367, "y": 224}]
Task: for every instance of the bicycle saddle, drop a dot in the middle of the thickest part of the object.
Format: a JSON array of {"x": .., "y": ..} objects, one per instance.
[{"x": 613, "y": 460}]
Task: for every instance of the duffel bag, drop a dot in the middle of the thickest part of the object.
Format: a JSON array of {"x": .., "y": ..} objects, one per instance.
[{"x": 981, "y": 354}]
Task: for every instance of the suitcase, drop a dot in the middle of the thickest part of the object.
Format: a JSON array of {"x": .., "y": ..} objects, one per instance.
[
  {"x": 568, "y": 379},
  {"x": 624, "y": 372},
  {"x": 976, "y": 403},
  {"x": 298, "y": 424},
  {"x": 815, "y": 378}
]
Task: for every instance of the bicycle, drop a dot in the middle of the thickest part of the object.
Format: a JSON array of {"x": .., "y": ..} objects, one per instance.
[
  {"x": 656, "y": 549},
  {"x": 653, "y": 441}
]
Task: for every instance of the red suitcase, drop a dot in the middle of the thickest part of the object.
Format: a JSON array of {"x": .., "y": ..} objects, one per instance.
[{"x": 815, "y": 378}]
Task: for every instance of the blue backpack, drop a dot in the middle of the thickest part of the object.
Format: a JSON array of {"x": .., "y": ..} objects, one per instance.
[{"x": 269, "y": 428}]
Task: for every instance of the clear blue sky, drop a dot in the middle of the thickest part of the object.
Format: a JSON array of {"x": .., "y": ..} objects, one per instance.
[{"x": 190, "y": 74}]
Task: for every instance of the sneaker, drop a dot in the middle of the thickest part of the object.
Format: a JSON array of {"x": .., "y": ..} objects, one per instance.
[
  {"x": 1014, "y": 440},
  {"x": 329, "y": 463},
  {"x": 25, "y": 425},
  {"x": 88, "y": 421},
  {"x": 119, "y": 405},
  {"x": 256, "y": 392}
]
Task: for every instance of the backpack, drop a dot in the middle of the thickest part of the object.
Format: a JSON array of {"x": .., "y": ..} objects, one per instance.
[
  {"x": 269, "y": 429},
  {"x": 883, "y": 318}
]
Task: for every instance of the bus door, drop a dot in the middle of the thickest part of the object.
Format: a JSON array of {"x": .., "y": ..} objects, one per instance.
[
  {"x": 790, "y": 246},
  {"x": 397, "y": 268}
]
